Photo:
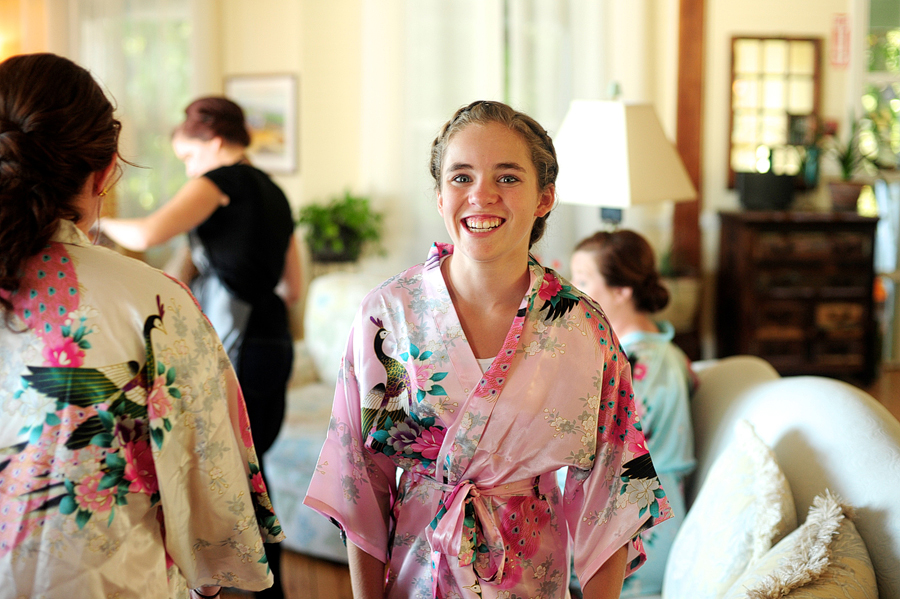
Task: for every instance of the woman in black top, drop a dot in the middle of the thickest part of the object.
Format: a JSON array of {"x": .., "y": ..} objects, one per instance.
[{"x": 242, "y": 245}]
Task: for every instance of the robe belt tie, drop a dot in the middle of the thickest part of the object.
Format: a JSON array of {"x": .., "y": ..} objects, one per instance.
[{"x": 466, "y": 525}]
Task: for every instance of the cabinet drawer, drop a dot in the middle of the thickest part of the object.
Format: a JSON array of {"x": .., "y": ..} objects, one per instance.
[
  {"x": 840, "y": 319},
  {"x": 782, "y": 319}
]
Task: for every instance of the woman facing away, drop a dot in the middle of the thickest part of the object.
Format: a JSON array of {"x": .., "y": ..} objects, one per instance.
[
  {"x": 127, "y": 465},
  {"x": 477, "y": 375},
  {"x": 618, "y": 270},
  {"x": 242, "y": 243}
]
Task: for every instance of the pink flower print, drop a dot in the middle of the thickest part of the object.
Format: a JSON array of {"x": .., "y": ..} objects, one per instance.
[
  {"x": 139, "y": 468},
  {"x": 429, "y": 442},
  {"x": 258, "y": 484},
  {"x": 639, "y": 372},
  {"x": 637, "y": 444},
  {"x": 158, "y": 404},
  {"x": 549, "y": 287},
  {"x": 423, "y": 377},
  {"x": 62, "y": 351},
  {"x": 92, "y": 499}
]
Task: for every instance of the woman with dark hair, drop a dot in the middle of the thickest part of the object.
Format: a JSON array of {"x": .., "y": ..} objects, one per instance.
[
  {"x": 242, "y": 244},
  {"x": 476, "y": 376},
  {"x": 618, "y": 270},
  {"x": 127, "y": 465}
]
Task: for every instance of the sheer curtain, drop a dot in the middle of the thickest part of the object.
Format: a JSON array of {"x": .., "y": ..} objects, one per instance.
[
  {"x": 423, "y": 59},
  {"x": 140, "y": 50}
]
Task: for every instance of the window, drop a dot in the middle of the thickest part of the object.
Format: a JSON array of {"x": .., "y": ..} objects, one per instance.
[
  {"x": 774, "y": 103},
  {"x": 140, "y": 50}
]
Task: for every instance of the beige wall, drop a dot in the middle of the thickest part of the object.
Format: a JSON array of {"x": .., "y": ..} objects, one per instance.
[{"x": 319, "y": 42}]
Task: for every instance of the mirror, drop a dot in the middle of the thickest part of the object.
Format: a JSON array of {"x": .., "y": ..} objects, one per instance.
[{"x": 775, "y": 88}]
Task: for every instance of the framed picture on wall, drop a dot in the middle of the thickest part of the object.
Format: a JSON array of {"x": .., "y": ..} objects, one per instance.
[{"x": 270, "y": 107}]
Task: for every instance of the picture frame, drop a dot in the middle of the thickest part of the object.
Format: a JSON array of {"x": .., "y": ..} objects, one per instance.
[{"x": 270, "y": 109}]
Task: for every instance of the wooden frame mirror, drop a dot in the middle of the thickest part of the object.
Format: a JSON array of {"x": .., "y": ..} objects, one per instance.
[{"x": 775, "y": 103}]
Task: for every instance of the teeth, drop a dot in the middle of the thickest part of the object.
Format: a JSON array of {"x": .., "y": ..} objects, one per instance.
[{"x": 478, "y": 223}]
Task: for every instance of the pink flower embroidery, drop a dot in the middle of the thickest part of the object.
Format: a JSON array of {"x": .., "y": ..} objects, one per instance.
[
  {"x": 158, "y": 404},
  {"x": 639, "y": 372},
  {"x": 429, "y": 443},
  {"x": 139, "y": 468},
  {"x": 63, "y": 351},
  {"x": 89, "y": 498},
  {"x": 256, "y": 481},
  {"x": 423, "y": 377},
  {"x": 549, "y": 287}
]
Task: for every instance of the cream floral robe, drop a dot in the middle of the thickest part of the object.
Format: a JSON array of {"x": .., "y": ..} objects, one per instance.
[
  {"x": 127, "y": 466},
  {"x": 477, "y": 511}
]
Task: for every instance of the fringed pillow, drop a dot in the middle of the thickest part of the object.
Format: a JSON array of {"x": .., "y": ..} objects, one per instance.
[
  {"x": 744, "y": 507},
  {"x": 825, "y": 557}
]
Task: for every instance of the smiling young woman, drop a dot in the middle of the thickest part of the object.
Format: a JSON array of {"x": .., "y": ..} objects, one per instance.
[{"x": 467, "y": 373}]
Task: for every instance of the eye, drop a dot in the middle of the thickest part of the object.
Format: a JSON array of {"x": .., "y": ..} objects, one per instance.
[
  {"x": 509, "y": 179},
  {"x": 462, "y": 179}
]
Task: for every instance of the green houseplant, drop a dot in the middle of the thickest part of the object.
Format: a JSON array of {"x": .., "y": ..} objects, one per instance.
[
  {"x": 851, "y": 160},
  {"x": 339, "y": 229}
]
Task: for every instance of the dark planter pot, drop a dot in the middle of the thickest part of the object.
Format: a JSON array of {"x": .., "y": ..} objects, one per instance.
[
  {"x": 333, "y": 256},
  {"x": 844, "y": 195},
  {"x": 765, "y": 191}
]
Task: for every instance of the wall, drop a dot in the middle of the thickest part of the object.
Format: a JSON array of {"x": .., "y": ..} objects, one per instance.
[{"x": 320, "y": 43}]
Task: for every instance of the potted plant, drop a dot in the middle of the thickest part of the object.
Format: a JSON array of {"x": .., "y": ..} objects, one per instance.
[
  {"x": 851, "y": 161},
  {"x": 337, "y": 231}
]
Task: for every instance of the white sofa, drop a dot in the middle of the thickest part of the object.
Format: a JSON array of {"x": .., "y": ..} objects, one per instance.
[{"x": 824, "y": 434}]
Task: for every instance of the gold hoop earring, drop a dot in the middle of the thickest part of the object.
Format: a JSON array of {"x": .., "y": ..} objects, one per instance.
[{"x": 104, "y": 192}]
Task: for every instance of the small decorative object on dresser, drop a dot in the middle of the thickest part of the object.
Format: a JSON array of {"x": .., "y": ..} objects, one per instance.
[{"x": 795, "y": 288}]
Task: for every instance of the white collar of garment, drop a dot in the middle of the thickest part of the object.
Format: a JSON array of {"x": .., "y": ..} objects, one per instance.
[{"x": 67, "y": 232}]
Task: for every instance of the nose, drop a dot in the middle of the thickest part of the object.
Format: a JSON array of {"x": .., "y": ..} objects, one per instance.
[{"x": 483, "y": 193}]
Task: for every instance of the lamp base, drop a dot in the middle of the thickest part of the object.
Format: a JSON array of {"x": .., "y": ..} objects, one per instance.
[{"x": 611, "y": 216}]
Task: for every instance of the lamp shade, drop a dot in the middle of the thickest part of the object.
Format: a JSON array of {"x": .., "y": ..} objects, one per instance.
[{"x": 616, "y": 155}]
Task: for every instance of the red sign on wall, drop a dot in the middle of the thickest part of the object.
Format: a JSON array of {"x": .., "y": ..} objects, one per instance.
[{"x": 840, "y": 40}]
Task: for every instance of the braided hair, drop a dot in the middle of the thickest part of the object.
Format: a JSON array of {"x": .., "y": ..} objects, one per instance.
[
  {"x": 56, "y": 128},
  {"x": 482, "y": 112}
]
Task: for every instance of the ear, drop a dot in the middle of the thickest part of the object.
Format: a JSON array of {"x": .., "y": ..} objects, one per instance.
[
  {"x": 440, "y": 203},
  {"x": 623, "y": 294},
  {"x": 102, "y": 178},
  {"x": 545, "y": 204}
]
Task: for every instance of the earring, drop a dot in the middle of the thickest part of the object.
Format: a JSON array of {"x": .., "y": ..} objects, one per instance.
[{"x": 104, "y": 192}]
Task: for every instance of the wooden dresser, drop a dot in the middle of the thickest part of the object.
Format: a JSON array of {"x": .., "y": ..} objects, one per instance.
[{"x": 795, "y": 288}]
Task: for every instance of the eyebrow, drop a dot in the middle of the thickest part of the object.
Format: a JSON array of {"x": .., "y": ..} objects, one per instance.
[{"x": 461, "y": 166}]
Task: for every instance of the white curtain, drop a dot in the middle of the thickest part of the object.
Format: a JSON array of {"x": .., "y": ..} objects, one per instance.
[{"x": 140, "y": 52}]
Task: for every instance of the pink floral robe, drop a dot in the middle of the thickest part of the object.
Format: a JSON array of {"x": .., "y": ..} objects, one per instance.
[
  {"x": 477, "y": 511},
  {"x": 127, "y": 466}
]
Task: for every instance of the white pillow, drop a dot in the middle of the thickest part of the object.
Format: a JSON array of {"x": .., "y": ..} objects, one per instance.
[
  {"x": 744, "y": 507},
  {"x": 825, "y": 557}
]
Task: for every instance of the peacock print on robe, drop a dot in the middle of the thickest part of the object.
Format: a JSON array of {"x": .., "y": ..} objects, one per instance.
[{"x": 124, "y": 436}]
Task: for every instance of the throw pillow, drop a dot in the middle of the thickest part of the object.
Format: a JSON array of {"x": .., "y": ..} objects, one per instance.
[
  {"x": 825, "y": 557},
  {"x": 744, "y": 507}
]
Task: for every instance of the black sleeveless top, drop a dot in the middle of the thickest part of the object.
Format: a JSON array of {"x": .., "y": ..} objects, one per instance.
[{"x": 245, "y": 243}]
